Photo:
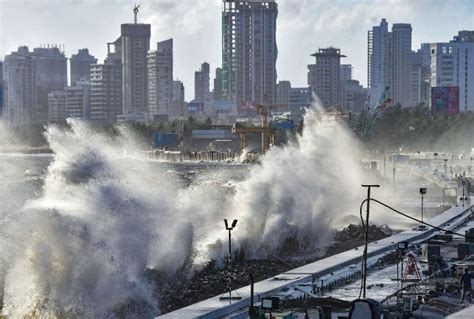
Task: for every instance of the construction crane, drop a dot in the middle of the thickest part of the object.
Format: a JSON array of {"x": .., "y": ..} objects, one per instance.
[
  {"x": 135, "y": 13},
  {"x": 267, "y": 132},
  {"x": 368, "y": 117}
]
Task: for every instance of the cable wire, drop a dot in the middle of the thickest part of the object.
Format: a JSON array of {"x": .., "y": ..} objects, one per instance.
[
  {"x": 366, "y": 230},
  {"x": 420, "y": 221}
]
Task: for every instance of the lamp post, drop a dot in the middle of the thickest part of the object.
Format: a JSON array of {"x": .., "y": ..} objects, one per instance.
[
  {"x": 230, "y": 228},
  {"x": 229, "y": 262},
  {"x": 366, "y": 227},
  {"x": 463, "y": 182},
  {"x": 422, "y": 192}
]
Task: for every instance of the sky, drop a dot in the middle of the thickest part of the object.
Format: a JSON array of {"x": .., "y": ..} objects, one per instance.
[{"x": 303, "y": 26}]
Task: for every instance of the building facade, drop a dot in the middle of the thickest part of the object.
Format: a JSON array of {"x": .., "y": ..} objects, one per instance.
[
  {"x": 51, "y": 75},
  {"x": 202, "y": 92},
  {"x": 376, "y": 40},
  {"x": 452, "y": 64},
  {"x": 179, "y": 105},
  {"x": 72, "y": 102},
  {"x": 135, "y": 44},
  {"x": 160, "y": 80},
  {"x": 19, "y": 74},
  {"x": 80, "y": 66},
  {"x": 389, "y": 64},
  {"x": 283, "y": 89},
  {"x": 325, "y": 77},
  {"x": 57, "y": 110},
  {"x": 106, "y": 82},
  {"x": 249, "y": 51},
  {"x": 218, "y": 85}
]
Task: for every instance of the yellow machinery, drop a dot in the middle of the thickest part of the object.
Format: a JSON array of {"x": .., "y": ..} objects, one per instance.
[{"x": 268, "y": 133}]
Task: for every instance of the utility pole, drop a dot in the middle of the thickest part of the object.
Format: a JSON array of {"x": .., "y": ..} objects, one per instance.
[{"x": 364, "y": 273}]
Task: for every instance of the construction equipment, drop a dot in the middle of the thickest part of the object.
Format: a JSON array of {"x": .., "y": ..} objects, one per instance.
[
  {"x": 268, "y": 132},
  {"x": 368, "y": 117},
  {"x": 135, "y": 13}
]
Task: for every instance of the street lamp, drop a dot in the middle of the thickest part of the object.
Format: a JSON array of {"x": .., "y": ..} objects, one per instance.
[
  {"x": 422, "y": 192},
  {"x": 229, "y": 263},
  {"x": 234, "y": 223}
]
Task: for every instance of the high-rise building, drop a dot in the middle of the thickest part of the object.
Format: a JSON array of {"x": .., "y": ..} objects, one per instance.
[
  {"x": 452, "y": 64},
  {"x": 21, "y": 104},
  {"x": 400, "y": 65},
  {"x": 179, "y": 107},
  {"x": 80, "y": 66},
  {"x": 375, "y": 57},
  {"x": 202, "y": 91},
  {"x": 218, "y": 85},
  {"x": 135, "y": 44},
  {"x": 160, "y": 80},
  {"x": 106, "y": 96},
  {"x": 249, "y": 51},
  {"x": 51, "y": 75},
  {"x": 390, "y": 62},
  {"x": 325, "y": 77}
]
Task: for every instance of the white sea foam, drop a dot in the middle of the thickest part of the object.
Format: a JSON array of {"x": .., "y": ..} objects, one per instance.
[{"x": 105, "y": 215}]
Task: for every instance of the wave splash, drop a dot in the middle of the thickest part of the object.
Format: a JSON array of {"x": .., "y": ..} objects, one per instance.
[{"x": 106, "y": 215}]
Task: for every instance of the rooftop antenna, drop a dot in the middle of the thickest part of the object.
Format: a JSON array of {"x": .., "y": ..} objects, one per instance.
[{"x": 135, "y": 12}]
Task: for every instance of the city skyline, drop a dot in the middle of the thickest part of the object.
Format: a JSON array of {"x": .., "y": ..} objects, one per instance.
[{"x": 329, "y": 23}]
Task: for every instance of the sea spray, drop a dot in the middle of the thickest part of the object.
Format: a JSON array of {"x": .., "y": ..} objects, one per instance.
[
  {"x": 81, "y": 249},
  {"x": 106, "y": 215},
  {"x": 299, "y": 190}
]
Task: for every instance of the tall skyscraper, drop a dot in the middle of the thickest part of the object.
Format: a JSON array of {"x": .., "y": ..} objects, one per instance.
[
  {"x": 390, "y": 62},
  {"x": 160, "y": 80},
  {"x": 400, "y": 65},
  {"x": 202, "y": 90},
  {"x": 21, "y": 104},
  {"x": 375, "y": 57},
  {"x": 106, "y": 96},
  {"x": 80, "y": 66},
  {"x": 249, "y": 51},
  {"x": 51, "y": 75},
  {"x": 135, "y": 43},
  {"x": 452, "y": 65},
  {"x": 326, "y": 77}
]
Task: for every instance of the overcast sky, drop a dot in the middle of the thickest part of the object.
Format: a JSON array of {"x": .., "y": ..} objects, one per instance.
[{"x": 195, "y": 25}]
